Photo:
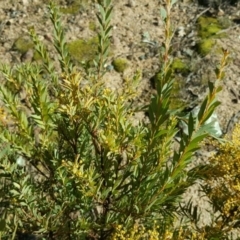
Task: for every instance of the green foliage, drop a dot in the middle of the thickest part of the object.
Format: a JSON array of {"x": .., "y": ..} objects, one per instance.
[
  {"x": 73, "y": 163},
  {"x": 223, "y": 185}
]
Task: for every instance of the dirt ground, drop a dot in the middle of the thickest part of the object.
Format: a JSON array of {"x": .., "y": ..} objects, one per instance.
[{"x": 134, "y": 23}]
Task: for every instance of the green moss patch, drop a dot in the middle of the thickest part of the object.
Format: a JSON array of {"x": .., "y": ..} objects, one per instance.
[
  {"x": 120, "y": 64},
  {"x": 178, "y": 65},
  {"x": 209, "y": 27},
  {"x": 75, "y": 7},
  {"x": 83, "y": 50},
  {"x": 92, "y": 26},
  {"x": 205, "y": 46},
  {"x": 22, "y": 44}
]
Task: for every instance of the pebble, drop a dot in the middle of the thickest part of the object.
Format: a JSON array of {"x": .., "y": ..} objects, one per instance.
[
  {"x": 25, "y": 2},
  {"x": 27, "y": 57},
  {"x": 131, "y": 3},
  {"x": 116, "y": 41}
]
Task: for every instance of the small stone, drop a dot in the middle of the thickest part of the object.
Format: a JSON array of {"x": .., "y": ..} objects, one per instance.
[
  {"x": 181, "y": 31},
  {"x": 27, "y": 57},
  {"x": 109, "y": 67},
  {"x": 25, "y": 2},
  {"x": 116, "y": 41},
  {"x": 220, "y": 12},
  {"x": 21, "y": 161},
  {"x": 131, "y": 3},
  {"x": 142, "y": 57}
]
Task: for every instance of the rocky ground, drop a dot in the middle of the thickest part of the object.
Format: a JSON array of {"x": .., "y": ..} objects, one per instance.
[{"x": 138, "y": 32}]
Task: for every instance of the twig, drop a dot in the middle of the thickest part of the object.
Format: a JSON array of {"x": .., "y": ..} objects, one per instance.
[{"x": 201, "y": 13}]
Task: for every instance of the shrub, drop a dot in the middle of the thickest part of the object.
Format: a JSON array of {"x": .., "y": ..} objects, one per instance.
[
  {"x": 223, "y": 186},
  {"x": 73, "y": 163}
]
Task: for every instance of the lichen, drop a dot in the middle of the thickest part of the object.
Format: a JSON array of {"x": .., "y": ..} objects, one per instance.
[
  {"x": 83, "y": 50},
  {"x": 120, "y": 64}
]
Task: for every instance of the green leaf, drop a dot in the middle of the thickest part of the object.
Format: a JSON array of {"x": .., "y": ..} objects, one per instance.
[
  {"x": 173, "y": 2},
  {"x": 5, "y": 175},
  {"x": 108, "y": 15},
  {"x": 184, "y": 159},
  {"x": 190, "y": 125},
  {"x": 108, "y": 2},
  {"x": 192, "y": 147},
  {"x": 163, "y": 13},
  {"x": 99, "y": 20},
  {"x": 107, "y": 31},
  {"x": 137, "y": 208},
  {"x": 17, "y": 185},
  {"x": 219, "y": 89},
  {"x": 160, "y": 133},
  {"x": 2, "y": 225},
  {"x": 202, "y": 109},
  {"x": 149, "y": 206},
  {"x": 196, "y": 139},
  {"x": 14, "y": 192},
  {"x": 102, "y": 11},
  {"x": 204, "y": 130},
  {"x": 211, "y": 87}
]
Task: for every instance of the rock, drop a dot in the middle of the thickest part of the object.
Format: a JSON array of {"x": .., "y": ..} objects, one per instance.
[
  {"x": 131, "y": 3},
  {"x": 213, "y": 120},
  {"x": 27, "y": 57},
  {"x": 25, "y": 2}
]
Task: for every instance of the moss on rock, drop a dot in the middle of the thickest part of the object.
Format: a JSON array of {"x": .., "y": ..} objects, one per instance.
[
  {"x": 22, "y": 44},
  {"x": 92, "y": 26},
  {"x": 178, "y": 65},
  {"x": 205, "y": 46},
  {"x": 75, "y": 7},
  {"x": 208, "y": 27},
  {"x": 83, "y": 50},
  {"x": 120, "y": 64}
]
